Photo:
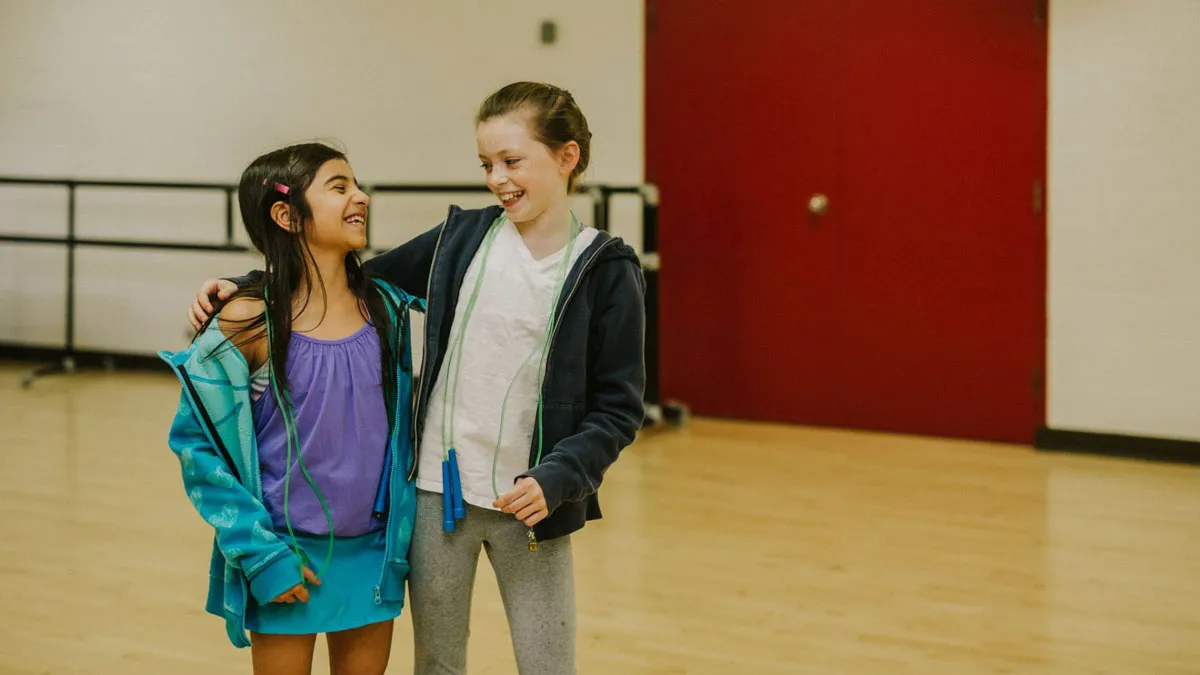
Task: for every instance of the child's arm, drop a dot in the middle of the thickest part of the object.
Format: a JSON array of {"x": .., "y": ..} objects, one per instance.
[
  {"x": 406, "y": 266},
  {"x": 574, "y": 468}
]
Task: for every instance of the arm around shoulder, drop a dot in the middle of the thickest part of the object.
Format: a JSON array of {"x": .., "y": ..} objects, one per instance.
[{"x": 408, "y": 265}]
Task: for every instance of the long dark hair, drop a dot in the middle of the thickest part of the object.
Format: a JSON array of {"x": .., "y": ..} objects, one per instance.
[{"x": 284, "y": 175}]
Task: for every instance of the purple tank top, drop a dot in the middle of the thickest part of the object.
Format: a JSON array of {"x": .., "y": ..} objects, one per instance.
[{"x": 342, "y": 424}]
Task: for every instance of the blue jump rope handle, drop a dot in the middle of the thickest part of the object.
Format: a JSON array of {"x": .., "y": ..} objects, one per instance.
[
  {"x": 447, "y": 508},
  {"x": 456, "y": 496}
]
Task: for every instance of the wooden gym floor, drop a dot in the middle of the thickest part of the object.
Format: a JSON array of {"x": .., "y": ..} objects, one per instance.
[{"x": 727, "y": 548}]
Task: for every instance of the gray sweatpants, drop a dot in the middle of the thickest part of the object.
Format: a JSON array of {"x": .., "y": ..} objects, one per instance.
[{"x": 537, "y": 588}]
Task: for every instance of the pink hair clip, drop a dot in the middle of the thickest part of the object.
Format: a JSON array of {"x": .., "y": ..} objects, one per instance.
[{"x": 279, "y": 186}]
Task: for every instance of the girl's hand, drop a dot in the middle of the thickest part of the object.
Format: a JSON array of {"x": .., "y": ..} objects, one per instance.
[
  {"x": 299, "y": 592},
  {"x": 526, "y": 501},
  {"x": 202, "y": 307}
]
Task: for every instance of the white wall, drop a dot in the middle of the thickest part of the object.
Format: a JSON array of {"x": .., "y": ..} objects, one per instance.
[
  {"x": 173, "y": 90},
  {"x": 1124, "y": 217}
]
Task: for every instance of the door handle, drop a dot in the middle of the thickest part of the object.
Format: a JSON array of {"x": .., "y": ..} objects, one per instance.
[{"x": 818, "y": 204}]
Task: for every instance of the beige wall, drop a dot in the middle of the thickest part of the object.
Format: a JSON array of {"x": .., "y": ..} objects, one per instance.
[
  {"x": 147, "y": 89},
  {"x": 1123, "y": 219}
]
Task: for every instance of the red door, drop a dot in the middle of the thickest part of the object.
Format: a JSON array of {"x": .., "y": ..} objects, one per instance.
[
  {"x": 916, "y": 302},
  {"x": 724, "y": 91}
]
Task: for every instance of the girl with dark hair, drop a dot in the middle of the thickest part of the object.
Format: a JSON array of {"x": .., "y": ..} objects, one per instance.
[{"x": 294, "y": 430}]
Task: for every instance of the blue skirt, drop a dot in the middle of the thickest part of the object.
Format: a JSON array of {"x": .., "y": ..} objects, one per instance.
[{"x": 344, "y": 600}]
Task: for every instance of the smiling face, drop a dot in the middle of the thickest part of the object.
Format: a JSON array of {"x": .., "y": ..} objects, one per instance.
[
  {"x": 338, "y": 207},
  {"x": 527, "y": 176}
]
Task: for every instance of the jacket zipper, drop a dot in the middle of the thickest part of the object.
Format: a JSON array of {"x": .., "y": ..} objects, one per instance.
[
  {"x": 587, "y": 265},
  {"x": 416, "y": 404},
  {"x": 566, "y": 303},
  {"x": 194, "y": 399},
  {"x": 387, "y": 538}
]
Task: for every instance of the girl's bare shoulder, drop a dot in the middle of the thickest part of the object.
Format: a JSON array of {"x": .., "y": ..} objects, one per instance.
[{"x": 237, "y": 322}]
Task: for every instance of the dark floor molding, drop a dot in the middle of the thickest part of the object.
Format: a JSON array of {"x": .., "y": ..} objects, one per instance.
[
  {"x": 1118, "y": 445},
  {"x": 50, "y": 357}
]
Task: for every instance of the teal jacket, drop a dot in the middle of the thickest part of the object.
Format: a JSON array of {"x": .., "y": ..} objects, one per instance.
[{"x": 213, "y": 436}]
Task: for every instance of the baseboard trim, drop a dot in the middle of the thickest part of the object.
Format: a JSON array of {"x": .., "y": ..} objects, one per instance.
[
  {"x": 1119, "y": 445},
  {"x": 86, "y": 358}
]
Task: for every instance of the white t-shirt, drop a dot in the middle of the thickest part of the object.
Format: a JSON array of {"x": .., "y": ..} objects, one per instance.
[{"x": 506, "y": 333}]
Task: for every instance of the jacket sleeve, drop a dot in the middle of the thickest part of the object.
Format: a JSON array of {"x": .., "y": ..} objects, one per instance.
[
  {"x": 574, "y": 468},
  {"x": 406, "y": 266},
  {"x": 241, "y": 522}
]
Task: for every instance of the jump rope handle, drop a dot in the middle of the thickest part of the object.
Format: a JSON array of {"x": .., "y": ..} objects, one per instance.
[
  {"x": 456, "y": 496},
  {"x": 447, "y": 499}
]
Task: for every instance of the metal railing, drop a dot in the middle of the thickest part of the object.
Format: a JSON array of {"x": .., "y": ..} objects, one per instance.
[{"x": 601, "y": 195}]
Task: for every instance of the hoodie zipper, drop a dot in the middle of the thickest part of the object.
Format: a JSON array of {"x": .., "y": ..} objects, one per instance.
[
  {"x": 587, "y": 265},
  {"x": 387, "y": 537},
  {"x": 416, "y": 404},
  {"x": 194, "y": 399}
]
